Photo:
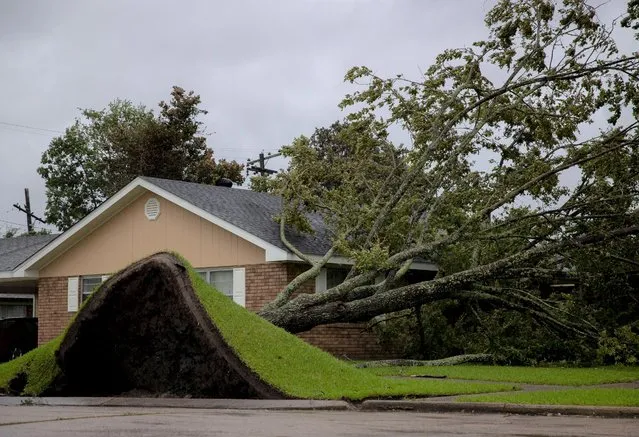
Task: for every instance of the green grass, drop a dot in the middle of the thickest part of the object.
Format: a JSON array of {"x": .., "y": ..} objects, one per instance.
[
  {"x": 522, "y": 375},
  {"x": 613, "y": 397},
  {"x": 303, "y": 371},
  {"x": 39, "y": 367}
]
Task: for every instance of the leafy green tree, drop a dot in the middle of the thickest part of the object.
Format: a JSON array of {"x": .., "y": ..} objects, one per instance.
[
  {"x": 497, "y": 134},
  {"x": 104, "y": 150}
]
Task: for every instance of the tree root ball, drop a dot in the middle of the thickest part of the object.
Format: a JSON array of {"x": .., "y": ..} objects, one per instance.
[{"x": 145, "y": 332}]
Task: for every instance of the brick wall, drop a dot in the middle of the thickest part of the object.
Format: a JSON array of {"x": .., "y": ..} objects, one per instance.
[
  {"x": 263, "y": 283},
  {"x": 51, "y": 304},
  {"x": 349, "y": 340}
]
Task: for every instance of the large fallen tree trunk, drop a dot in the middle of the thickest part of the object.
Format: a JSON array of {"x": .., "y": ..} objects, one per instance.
[{"x": 352, "y": 302}]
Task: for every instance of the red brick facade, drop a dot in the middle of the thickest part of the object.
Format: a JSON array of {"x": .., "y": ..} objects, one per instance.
[
  {"x": 51, "y": 304},
  {"x": 345, "y": 340},
  {"x": 263, "y": 282}
]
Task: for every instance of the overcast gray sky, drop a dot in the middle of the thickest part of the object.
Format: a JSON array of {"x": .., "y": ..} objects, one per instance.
[{"x": 267, "y": 71}]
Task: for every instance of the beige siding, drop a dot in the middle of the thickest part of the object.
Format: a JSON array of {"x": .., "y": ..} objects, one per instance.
[{"x": 129, "y": 236}]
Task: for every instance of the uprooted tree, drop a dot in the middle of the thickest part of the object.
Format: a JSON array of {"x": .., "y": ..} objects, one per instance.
[{"x": 520, "y": 161}]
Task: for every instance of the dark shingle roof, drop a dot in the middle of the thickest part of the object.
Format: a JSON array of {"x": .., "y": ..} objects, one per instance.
[
  {"x": 248, "y": 210},
  {"x": 13, "y": 251}
]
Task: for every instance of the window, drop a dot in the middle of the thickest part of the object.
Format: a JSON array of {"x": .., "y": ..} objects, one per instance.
[
  {"x": 222, "y": 280},
  {"x": 15, "y": 306},
  {"x": 335, "y": 276},
  {"x": 330, "y": 277},
  {"x": 230, "y": 282},
  {"x": 89, "y": 284}
]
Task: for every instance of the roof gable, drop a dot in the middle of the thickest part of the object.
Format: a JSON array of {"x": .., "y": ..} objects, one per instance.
[
  {"x": 250, "y": 211},
  {"x": 245, "y": 213}
]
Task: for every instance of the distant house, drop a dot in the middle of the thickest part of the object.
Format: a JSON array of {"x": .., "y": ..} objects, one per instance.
[
  {"x": 228, "y": 234},
  {"x": 18, "y": 292}
]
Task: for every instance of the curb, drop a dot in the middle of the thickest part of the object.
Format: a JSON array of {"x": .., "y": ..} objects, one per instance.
[
  {"x": 495, "y": 408},
  {"x": 213, "y": 404},
  {"x": 416, "y": 405}
]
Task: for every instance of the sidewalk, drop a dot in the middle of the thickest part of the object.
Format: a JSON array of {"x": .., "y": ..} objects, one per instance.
[
  {"x": 213, "y": 404},
  {"x": 433, "y": 404},
  {"x": 440, "y": 405}
]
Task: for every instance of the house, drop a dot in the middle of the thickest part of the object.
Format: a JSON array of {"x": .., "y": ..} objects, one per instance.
[
  {"x": 18, "y": 294},
  {"x": 228, "y": 234}
]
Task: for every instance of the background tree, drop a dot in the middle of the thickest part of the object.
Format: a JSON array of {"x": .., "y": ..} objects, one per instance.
[
  {"x": 502, "y": 181},
  {"x": 15, "y": 232},
  {"x": 104, "y": 150}
]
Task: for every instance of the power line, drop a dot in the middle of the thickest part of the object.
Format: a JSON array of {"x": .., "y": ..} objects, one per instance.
[
  {"x": 22, "y": 131},
  {"x": 13, "y": 223},
  {"x": 21, "y": 225},
  {"x": 24, "y": 126}
]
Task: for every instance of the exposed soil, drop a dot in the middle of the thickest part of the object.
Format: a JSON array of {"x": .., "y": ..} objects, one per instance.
[{"x": 145, "y": 331}]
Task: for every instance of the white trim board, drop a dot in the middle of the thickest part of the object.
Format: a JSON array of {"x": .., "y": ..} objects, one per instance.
[{"x": 10, "y": 276}]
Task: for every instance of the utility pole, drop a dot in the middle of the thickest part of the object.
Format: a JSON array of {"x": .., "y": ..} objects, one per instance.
[
  {"x": 27, "y": 205},
  {"x": 261, "y": 168},
  {"x": 27, "y": 210}
]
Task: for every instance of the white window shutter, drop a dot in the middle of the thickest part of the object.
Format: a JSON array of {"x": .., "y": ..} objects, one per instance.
[
  {"x": 239, "y": 286},
  {"x": 73, "y": 287},
  {"x": 320, "y": 281},
  {"x": 105, "y": 277}
]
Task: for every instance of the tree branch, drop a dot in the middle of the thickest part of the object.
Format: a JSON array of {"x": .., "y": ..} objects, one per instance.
[
  {"x": 295, "y": 284},
  {"x": 301, "y": 314},
  {"x": 534, "y": 181},
  {"x": 287, "y": 243}
]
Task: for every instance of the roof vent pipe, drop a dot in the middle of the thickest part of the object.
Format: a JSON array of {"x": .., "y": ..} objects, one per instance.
[{"x": 224, "y": 182}]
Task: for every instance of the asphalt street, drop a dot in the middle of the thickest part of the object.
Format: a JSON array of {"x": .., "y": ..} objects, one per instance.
[{"x": 60, "y": 421}]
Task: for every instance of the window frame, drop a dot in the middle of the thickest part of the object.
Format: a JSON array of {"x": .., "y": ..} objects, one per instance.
[
  {"x": 81, "y": 295},
  {"x": 207, "y": 278},
  {"x": 321, "y": 280},
  {"x": 330, "y": 274}
]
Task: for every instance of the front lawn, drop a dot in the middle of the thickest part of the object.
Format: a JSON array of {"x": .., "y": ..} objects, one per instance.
[
  {"x": 613, "y": 397},
  {"x": 522, "y": 375},
  {"x": 280, "y": 359},
  {"x": 303, "y": 371}
]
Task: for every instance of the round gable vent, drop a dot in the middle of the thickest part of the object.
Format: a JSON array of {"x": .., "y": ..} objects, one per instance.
[{"x": 152, "y": 208}]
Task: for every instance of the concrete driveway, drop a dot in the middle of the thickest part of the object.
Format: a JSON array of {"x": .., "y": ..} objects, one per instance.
[{"x": 116, "y": 421}]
